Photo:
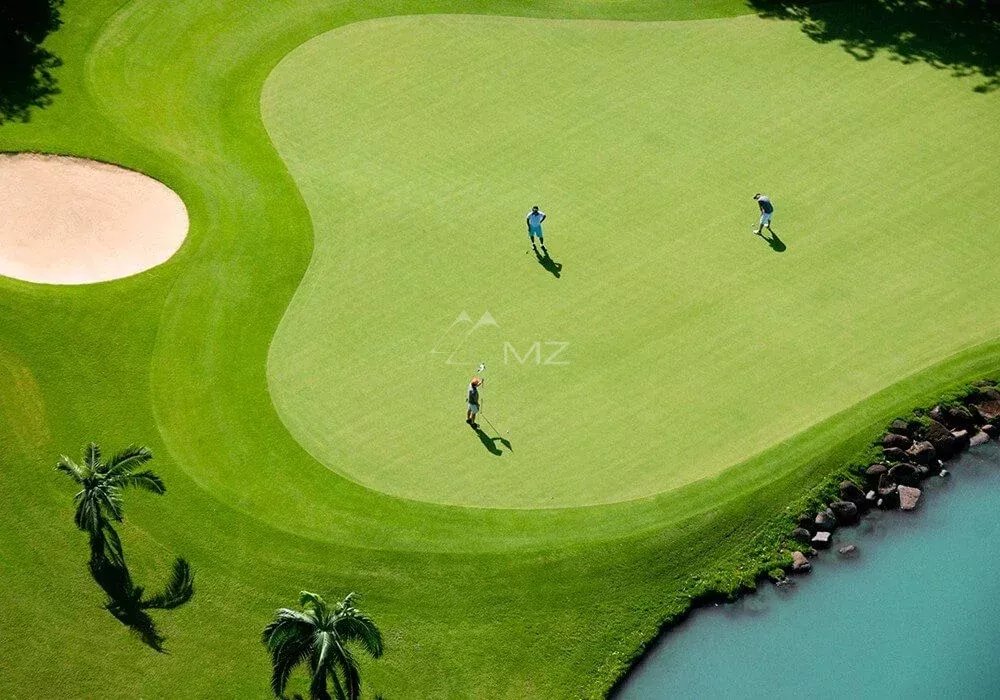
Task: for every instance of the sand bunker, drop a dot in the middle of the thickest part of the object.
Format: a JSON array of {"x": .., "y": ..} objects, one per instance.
[{"x": 74, "y": 221}]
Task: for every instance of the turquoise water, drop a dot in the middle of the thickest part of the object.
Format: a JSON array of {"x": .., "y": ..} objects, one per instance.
[{"x": 915, "y": 615}]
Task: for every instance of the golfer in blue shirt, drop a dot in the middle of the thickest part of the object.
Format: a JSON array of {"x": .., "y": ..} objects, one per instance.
[{"x": 534, "y": 220}]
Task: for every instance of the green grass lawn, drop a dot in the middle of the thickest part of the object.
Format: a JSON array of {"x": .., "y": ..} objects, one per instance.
[
  {"x": 312, "y": 441},
  {"x": 419, "y": 144}
]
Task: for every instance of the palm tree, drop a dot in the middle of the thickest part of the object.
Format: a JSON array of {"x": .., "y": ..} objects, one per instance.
[
  {"x": 320, "y": 635},
  {"x": 99, "y": 501}
]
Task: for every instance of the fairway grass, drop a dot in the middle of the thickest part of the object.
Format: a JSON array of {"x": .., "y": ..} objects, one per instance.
[
  {"x": 673, "y": 344},
  {"x": 366, "y": 241}
]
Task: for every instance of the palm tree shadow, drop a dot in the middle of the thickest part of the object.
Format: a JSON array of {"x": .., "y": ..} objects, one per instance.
[
  {"x": 490, "y": 443},
  {"x": 777, "y": 245},
  {"x": 550, "y": 265},
  {"x": 127, "y": 602}
]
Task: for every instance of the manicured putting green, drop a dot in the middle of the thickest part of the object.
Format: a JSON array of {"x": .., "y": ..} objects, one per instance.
[{"x": 690, "y": 344}]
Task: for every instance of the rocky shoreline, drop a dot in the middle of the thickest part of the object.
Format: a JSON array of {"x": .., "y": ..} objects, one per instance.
[{"x": 912, "y": 450}]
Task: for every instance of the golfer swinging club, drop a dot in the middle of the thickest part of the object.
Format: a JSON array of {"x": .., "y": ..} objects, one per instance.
[
  {"x": 766, "y": 209},
  {"x": 534, "y": 220},
  {"x": 472, "y": 399}
]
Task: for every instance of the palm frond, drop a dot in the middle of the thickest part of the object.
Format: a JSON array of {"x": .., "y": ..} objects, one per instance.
[
  {"x": 92, "y": 456},
  {"x": 352, "y": 675},
  {"x": 317, "y": 688},
  {"x": 147, "y": 480},
  {"x": 288, "y": 625},
  {"x": 313, "y": 600},
  {"x": 88, "y": 513},
  {"x": 69, "y": 467},
  {"x": 128, "y": 459},
  {"x": 358, "y": 627},
  {"x": 110, "y": 497},
  {"x": 284, "y": 659},
  {"x": 178, "y": 591}
]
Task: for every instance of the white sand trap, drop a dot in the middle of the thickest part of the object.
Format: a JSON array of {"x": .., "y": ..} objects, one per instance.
[{"x": 74, "y": 221}]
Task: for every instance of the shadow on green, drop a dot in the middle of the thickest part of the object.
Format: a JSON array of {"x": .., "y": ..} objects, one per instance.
[
  {"x": 777, "y": 245},
  {"x": 546, "y": 261},
  {"x": 962, "y": 36},
  {"x": 490, "y": 443}
]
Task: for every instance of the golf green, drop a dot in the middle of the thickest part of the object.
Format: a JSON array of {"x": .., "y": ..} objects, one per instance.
[
  {"x": 672, "y": 343},
  {"x": 357, "y": 246}
]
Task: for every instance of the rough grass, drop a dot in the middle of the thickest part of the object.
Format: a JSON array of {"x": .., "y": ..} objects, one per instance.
[{"x": 491, "y": 603}]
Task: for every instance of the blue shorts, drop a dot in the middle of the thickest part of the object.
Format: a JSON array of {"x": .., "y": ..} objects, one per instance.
[{"x": 535, "y": 231}]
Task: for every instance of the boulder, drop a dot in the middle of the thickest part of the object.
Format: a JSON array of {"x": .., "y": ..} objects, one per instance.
[
  {"x": 825, "y": 521},
  {"x": 849, "y": 491},
  {"x": 905, "y": 474},
  {"x": 821, "y": 540},
  {"x": 848, "y": 550},
  {"x": 900, "y": 427},
  {"x": 945, "y": 472},
  {"x": 908, "y": 497},
  {"x": 801, "y": 534},
  {"x": 845, "y": 512},
  {"x": 800, "y": 563},
  {"x": 978, "y": 439},
  {"x": 961, "y": 439},
  {"x": 805, "y": 521},
  {"x": 896, "y": 440},
  {"x": 993, "y": 430},
  {"x": 985, "y": 403},
  {"x": 875, "y": 472},
  {"x": 922, "y": 452},
  {"x": 961, "y": 417},
  {"x": 944, "y": 442},
  {"x": 894, "y": 454},
  {"x": 923, "y": 471},
  {"x": 888, "y": 500}
]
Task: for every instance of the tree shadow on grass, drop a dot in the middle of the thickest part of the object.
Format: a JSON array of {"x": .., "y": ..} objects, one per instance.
[
  {"x": 962, "y": 36},
  {"x": 26, "y": 69},
  {"x": 128, "y": 602}
]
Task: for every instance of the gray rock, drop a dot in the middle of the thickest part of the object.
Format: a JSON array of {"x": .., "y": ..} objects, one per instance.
[
  {"x": 805, "y": 521},
  {"x": 944, "y": 473},
  {"x": 845, "y": 512},
  {"x": 991, "y": 429},
  {"x": 922, "y": 452},
  {"x": 905, "y": 474},
  {"x": 961, "y": 439},
  {"x": 978, "y": 439},
  {"x": 960, "y": 417},
  {"x": 825, "y": 521},
  {"x": 800, "y": 563},
  {"x": 848, "y": 550},
  {"x": 908, "y": 497},
  {"x": 801, "y": 534},
  {"x": 875, "y": 472},
  {"x": 944, "y": 442},
  {"x": 895, "y": 440},
  {"x": 849, "y": 491},
  {"x": 900, "y": 427},
  {"x": 894, "y": 454},
  {"x": 821, "y": 540}
]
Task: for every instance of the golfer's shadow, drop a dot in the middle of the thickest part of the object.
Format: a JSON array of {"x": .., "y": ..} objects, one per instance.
[
  {"x": 777, "y": 245},
  {"x": 548, "y": 263},
  {"x": 490, "y": 443}
]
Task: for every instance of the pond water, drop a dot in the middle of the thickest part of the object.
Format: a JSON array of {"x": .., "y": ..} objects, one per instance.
[{"x": 916, "y": 614}]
